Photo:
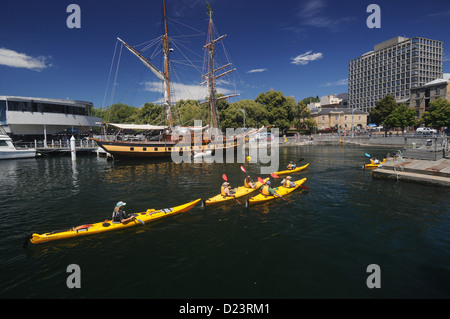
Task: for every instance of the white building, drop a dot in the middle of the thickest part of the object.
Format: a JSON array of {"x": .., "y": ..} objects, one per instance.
[
  {"x": 330, "y": 99},
  {"x": 30, "y": 118}
]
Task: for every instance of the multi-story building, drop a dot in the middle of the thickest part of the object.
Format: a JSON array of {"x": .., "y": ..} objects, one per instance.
[
  {"x": 28, "y": 118},
  {"x": 394, "y": 67},
  {"x": 422, "y": 96}
]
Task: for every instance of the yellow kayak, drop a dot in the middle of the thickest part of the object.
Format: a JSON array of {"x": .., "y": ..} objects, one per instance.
[
  {"x": 372, "y": 164},
  {"x": 290, "y": 171},
  {"x": 108, "y": 225},
  {"x": 280, "y": 190},
  {"x": 240, "y": 191}
]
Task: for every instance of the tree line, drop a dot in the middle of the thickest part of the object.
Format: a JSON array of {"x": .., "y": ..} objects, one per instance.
[
  {"x": 269, "y": 108},
  {"x": 391, "y": 115},
  {"x": 272, "y": 108}
]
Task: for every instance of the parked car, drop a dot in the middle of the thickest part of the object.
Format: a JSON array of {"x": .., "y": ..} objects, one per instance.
[{"x": 426, "y": 130}]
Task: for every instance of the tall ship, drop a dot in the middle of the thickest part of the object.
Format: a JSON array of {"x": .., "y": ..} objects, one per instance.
[{"x": 159, "y": 141}]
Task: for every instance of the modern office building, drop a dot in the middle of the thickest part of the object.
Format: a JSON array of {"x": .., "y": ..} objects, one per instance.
[
  {"x": 394, "y": 67},
  {"x": 28, "y": 118}
]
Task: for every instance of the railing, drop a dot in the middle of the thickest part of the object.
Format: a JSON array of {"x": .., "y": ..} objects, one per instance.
[{"x": 57, "y": 144}]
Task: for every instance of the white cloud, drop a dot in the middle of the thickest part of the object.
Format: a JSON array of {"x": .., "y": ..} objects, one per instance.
[
  {"x": 183, "y": 91},
  {"x": 305, "y": 58},
  {"x": 257, "y": 71},
  {"x": 312, "y": 13},
  {"x": 21, "y": 60},
  {"x": 337, "y": 83}
]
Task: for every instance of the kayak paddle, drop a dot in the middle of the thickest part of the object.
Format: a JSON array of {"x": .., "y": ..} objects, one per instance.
[{"x": 368, "y": 155}]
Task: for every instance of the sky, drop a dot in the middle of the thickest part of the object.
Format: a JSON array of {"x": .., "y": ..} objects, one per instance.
[{"x": 299, "y": 47}]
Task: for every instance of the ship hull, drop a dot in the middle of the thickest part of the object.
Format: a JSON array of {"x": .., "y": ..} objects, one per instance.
[{"x": 149, "y": 150}]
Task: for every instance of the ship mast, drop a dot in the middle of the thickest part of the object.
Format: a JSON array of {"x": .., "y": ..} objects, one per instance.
[
  {"x": 166, "y": 50},
  {"x": 163, "y": 76},
  {"x": 211, "y": 74}
]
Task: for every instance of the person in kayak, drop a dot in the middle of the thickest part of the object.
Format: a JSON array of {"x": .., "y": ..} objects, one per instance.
[
  {"x": 375, "y": 160},
  {"x": 249, "y": 183},
  {"x": 287, "y": 182},
  {"x": 267, "y": 190},
  {"x": 226, "y": 190},
  {"x": 119, "y": 215},
  {"x": 291, "y": 165}
]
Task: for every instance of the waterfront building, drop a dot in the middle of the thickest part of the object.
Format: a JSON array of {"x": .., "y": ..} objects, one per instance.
[
  {"x": 394, "y": 67},
  {"x": 339, "y": 119},
  {"x": 30, "y": 118},
  {"x": 422, "y": 96}
]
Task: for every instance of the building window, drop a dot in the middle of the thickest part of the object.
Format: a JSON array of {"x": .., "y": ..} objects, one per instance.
[{"x": 438, "y": 91}]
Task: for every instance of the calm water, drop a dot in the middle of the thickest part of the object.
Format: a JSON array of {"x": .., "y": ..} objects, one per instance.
[{"x": 317, "y": 244}]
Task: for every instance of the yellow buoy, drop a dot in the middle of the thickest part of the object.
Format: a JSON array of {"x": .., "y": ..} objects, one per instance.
[{"x": 249, "y": 158}]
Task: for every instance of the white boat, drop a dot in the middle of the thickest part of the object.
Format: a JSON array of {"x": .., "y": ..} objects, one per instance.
[
  {"x": 9, "y": 151},
  {"x": 202, "y": 154}
]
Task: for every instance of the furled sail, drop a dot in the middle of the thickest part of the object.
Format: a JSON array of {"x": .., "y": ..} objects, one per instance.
[{"x": 147, "y": 63}]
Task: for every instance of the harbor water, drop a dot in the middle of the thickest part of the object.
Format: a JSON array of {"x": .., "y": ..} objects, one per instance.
[{"x": 318, "y": 243}]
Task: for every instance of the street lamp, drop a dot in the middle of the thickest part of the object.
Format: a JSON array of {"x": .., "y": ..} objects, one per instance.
[
  {"x": 353, "y": 133},
  {"x": 243, "y": 111}
]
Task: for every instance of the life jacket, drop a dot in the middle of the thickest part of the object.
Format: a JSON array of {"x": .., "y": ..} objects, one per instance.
[
  {"x": 265, "y": 190},
  {"x": 246, "y": 184},
  {"x": 116, "y": 215},
  {"x": 222, "y": 191},
  {"x": 286, "y": 183}
]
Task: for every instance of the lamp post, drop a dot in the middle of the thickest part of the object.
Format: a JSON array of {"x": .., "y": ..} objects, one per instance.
[
  {"x": 243, "y": 111},
  {"x": 353, "y": 133}
]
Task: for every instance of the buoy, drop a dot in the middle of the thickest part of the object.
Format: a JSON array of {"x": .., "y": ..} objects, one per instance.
[{"x": 249, "y": 158}]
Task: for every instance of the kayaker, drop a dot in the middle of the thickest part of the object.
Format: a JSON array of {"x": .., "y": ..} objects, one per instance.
[
  {"x": 375, "y": 160},
  {"x": 267, "y": 190},
  {"x": 287, "y": 182},
  {"x": 291, "y": 165},
  {"x": 119, "y": 215},
  {"x": 249, "y": 183},
  {"x": 226, "y": 190}
]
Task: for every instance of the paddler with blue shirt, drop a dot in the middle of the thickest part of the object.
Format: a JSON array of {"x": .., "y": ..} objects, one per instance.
[{"x": 291, "y": 165}]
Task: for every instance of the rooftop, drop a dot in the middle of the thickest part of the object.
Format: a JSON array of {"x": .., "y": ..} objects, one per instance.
[{"x": 45, "y": 100}]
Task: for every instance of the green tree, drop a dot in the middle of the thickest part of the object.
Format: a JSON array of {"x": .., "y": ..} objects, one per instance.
[
  {"x": 255, "y": 115},
  {"x": 438, "y": 114},
  {"x": 119, "y": 113},
  {"x": 281, "y": 110},
  {"x": 310, "y": 99},
  {"x": 382, "y": 109},
  {"x": 402, "y": 116},
  {"x": 303, "y": 114},
  {"x": 190, "y": 110},
  {"x": 148, "y": 114},
  {"x": 310, "y": 124}
]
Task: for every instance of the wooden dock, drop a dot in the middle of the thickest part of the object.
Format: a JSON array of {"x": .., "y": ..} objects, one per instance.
[{"x": 416, "y": 170}]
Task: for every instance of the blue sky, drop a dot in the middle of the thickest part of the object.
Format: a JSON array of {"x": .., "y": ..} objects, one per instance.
[{"x": 299, "y": 47}]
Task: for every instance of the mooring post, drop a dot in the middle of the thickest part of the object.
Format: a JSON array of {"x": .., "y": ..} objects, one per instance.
[{"x": 72, "y": 148}]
